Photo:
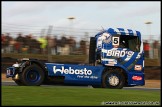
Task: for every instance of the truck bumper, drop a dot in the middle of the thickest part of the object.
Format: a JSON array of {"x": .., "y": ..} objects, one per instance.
[
  {"x": 136, "y": 79},
  {"x": 10, "y": 72}
]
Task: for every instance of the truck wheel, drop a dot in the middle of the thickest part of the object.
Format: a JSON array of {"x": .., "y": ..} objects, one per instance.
[
  {"x": 114, "y": 79},
  {"x": 32, "y": 75},
  {"x": 18, "y": 81}
]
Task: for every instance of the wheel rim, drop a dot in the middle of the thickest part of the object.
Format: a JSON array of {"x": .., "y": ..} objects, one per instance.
[
  {"x": 113, "y": 80},
  {"x": 33, "y": 76}
]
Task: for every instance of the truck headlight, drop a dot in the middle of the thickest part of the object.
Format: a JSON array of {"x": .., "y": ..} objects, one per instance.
[{"x": 15, "y": 65}]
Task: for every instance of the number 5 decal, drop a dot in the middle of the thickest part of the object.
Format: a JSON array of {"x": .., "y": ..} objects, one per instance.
[{"x": 115, "y": 41}]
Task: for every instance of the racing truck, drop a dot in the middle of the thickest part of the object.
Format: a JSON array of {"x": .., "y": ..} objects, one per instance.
[{"x": 116, "y": 60}]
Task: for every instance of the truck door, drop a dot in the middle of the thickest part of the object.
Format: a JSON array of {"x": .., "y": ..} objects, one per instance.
[
  {"x": 124, "y": 51},
  {"x": 133, "y": 59}
]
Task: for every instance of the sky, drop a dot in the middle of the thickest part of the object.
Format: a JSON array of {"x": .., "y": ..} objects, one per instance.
[{"x": 91, "y": 17}]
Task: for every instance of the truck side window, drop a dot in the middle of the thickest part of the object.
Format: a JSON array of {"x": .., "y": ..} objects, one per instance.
[
  {"x": 131, "y": 42},
  {"x": 123, "y": 44},
  {"x": 134, "y": 43}
]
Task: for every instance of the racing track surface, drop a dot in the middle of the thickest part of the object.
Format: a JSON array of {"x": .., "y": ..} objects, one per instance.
[{"x": 11, "y": 83}]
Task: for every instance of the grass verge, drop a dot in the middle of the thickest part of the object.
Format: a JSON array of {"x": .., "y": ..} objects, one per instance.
[{"x": 56, "y": 96}]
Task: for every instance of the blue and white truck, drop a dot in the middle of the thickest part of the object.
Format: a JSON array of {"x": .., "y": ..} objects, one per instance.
[{"x": 116, "y": 60}]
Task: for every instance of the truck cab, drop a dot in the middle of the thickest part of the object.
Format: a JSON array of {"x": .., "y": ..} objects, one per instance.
[{"x": 119, "y": 48}]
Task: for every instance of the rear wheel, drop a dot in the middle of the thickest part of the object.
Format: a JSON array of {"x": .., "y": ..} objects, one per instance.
[
  {"x": 113, "y": 79},
  {"x": 32, "y": 75}
]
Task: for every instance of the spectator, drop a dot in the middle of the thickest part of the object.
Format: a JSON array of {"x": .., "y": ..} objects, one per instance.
[
  {"x": 63, "y": 41},
  {"x": 11, "y": 44},
  {"x": 17, "y": 47},
  {"x": 3, "y": 43},
  {"x": 155, "y": 49},
  {"x": 43, "y": 45},
  {"x": 50, "y": 44},
  {"x": 146, "y": 48},
  {"x": 20, "y": 42},
  {"x": 83, "y": 46},
  {"x": 72, "y": 44},
  {"x": 8, "y": 39},
  {"x": 55, "y": 45}
]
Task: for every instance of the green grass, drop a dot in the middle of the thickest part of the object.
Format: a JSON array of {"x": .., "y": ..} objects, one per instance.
[{"x": 25, "y": 95}]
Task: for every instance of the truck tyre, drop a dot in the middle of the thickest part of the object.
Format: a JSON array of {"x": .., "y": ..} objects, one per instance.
[
  {"x": 32, "y": 75},
  {"x": 18, "y": 82},
  {"x": 113, "y": 79}
]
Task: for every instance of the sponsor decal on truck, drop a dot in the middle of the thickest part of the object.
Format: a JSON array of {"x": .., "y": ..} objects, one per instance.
[{"x": 72, "y": 71}]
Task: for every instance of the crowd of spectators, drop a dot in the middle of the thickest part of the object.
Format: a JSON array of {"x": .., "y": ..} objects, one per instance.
[
  {"x": 43, "y": 45},
  {"x": 53, "y": 45}
]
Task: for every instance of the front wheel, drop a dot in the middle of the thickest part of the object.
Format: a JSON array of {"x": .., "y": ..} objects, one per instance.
[
  {"x": 114, "y": 79},
  {"x": 18, "y": 82},
  {"x": 32, "y": 75}
]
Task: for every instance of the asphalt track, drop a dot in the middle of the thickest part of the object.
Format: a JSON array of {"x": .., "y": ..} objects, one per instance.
[{"x": 11, "y": 83}]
